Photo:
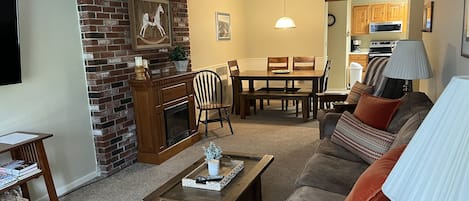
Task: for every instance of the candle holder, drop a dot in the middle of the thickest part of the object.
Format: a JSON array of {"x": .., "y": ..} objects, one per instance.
[{"x": 140, "y": 73}]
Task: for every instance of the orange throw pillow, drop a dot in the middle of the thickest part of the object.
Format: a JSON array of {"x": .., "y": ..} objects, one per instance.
[
  {"x": 376, "y": 111},
  {"x": 368, "y": 185}
]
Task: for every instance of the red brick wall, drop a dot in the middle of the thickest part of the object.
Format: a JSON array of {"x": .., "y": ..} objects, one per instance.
[{"x": 109, "y": 64}]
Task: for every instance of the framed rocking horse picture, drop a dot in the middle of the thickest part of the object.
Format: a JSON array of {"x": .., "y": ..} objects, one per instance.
[{"x": 150, "y": 23}]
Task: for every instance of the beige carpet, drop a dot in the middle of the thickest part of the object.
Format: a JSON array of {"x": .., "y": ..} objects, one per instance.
[{"x": 269, "y": 132}]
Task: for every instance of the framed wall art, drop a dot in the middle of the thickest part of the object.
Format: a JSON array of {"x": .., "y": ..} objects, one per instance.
[
  {"x": 465, "y": 31},
  {"x": 428, "y": 17},
  {"x": 150, "y": 23},
  {"x": 223, "y": 26}
]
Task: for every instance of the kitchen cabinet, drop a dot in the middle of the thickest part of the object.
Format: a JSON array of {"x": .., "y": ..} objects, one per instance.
[
  {"x": 362, "y": 59},
  {"x": 360, "y": 19},
  {"x": 362, "y": 15},
  {"x": 378, "y": 12}
]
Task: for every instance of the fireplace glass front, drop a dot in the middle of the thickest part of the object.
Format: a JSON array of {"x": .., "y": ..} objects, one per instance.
[{"x": 177, "y": 123}]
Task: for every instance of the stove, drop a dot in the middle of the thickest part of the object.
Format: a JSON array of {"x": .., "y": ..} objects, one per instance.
[{"x": 381, "y": 48}]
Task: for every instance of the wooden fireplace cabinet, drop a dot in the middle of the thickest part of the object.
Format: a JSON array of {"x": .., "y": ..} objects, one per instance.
[{"x": 151, "y": 97}]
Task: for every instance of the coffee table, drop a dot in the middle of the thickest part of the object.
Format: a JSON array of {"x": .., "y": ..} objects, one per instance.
[{"x": 245, "y": 186}]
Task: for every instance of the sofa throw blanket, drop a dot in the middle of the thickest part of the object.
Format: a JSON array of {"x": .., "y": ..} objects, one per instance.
[{"x": 361, "y": 139}]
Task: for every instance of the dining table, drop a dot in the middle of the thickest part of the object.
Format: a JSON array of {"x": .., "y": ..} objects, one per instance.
[{"x": 255, "y": 75}]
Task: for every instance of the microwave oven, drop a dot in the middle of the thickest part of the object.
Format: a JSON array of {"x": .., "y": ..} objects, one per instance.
[{"x": 377, "y": 27}]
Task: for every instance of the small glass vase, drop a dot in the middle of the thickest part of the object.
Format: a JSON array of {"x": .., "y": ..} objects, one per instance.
[{"x": 213, "y": 167}]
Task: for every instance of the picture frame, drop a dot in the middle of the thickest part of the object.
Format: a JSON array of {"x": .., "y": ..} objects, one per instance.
[
  {"x": 150, "y": 23},
  {"x": 465, "y": 32},
  {"x": 223, "y": 26},
  {"x": 428, "y": 17}
]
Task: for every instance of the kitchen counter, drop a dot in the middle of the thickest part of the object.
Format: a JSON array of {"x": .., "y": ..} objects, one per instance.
[{"x": 361, "y": 52}]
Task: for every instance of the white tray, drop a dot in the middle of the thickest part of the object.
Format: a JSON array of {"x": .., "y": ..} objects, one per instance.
[{"x": 228, "y": 168}]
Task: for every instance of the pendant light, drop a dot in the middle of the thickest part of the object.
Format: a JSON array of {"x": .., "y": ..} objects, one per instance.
[{"x": 285, "y": 22}]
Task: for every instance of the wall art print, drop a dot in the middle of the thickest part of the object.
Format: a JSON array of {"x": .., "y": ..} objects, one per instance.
[
  {"x": 150, "y": 23},
  {"x": 428, "y": 17},
  {"x": 223, "y": 26},
  {"x": 465, "y": 33}
]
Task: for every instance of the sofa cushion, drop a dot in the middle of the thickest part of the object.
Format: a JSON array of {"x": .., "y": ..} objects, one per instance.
[
  {"x": 376, "y": 111},
  {"x": 408, "y": 130},
  {"x": 361, "y": 139},
  {"x": 326, "y": 146},
  {"x": 357, "y": 90},
  {"x": 411, "y": 103},
  {"x": 330, "y": 173},
  {"x": 307, "y": 193},
  {"x": 368, "y": 185}
]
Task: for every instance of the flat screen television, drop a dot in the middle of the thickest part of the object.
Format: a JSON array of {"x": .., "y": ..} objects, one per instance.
[{"x": 11, "y": 70}]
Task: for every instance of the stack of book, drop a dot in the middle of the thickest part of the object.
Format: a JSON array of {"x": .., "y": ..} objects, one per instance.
[
  {"x": 6, "y": 179},
  {"x": 20, "y": 169}
]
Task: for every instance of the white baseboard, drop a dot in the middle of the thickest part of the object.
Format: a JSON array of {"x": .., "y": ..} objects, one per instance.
[{"x": 71, "y": 186}]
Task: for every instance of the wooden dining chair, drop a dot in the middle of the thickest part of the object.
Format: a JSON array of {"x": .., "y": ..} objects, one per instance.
[
  {"x": 208, "y": 92},
  {"x": 277, "y": 63},
  {"x": 233, "y": 69},
  {"x": 302, "y": 63}
]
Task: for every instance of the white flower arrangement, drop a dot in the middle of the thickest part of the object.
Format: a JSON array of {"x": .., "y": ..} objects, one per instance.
[{"x": 212, "y": 151}]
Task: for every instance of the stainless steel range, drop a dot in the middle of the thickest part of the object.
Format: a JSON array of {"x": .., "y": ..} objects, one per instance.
[{"x": 381, "y": 48}]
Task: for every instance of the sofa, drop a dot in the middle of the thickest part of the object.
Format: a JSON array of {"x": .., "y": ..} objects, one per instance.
[{"x": 332, "y": 170}]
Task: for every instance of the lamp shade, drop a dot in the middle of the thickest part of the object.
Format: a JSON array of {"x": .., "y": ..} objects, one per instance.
[
  {"x": 285, "y": 22},
  {"x": 435, "y": 164},
  {"x": 409, "y": 61}
]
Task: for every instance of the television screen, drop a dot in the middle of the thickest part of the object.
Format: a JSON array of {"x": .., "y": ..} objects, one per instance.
[{"x": 11, "y": 70}]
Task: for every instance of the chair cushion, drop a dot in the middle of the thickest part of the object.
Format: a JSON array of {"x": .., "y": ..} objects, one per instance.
[
  {"x": 376, "y": 111},
  {"x": 411, "y": 103},
  {"x": 361, "y": 139},
  {"x": 368, "y": 185},
  {"x": 307, "y": 193},
  {"x": 357, "y": 90},
  {"x": 330, "y": 173},
  {"x": 409, "y": 129},
  {"x": 326, "y": 146}
]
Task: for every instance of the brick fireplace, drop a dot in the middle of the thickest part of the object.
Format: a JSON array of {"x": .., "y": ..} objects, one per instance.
[{"x": 109, "y": 64}]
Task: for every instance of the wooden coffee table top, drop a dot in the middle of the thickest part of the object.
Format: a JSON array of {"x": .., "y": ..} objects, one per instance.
[{"x": 254, "y": 166}]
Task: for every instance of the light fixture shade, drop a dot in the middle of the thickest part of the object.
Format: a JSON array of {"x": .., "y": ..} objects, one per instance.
[
  {"x": 409, "y": 61},
  {"x": 285, "y": 22},
  {"x": 435, "y": 164}
]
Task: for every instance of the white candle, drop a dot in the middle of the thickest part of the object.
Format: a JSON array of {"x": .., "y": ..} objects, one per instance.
[
  {"x": 145, "y": 63},
  {"x": 138, "y": 61}
]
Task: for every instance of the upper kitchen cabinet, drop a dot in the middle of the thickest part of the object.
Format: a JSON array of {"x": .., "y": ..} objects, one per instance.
[
  {"x": 378, "y": 12},
  {"x": 360, "y": 19},
  {"x": 397, "y": 12},
  {"x": 363, "y": 14}
]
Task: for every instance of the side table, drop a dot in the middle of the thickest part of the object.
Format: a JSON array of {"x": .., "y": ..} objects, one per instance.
[{"x": 31, "y": 150}]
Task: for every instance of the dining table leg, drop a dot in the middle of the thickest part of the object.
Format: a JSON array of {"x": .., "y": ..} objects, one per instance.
[
  {"x": 236, "y": 89},
  {"x": 315, "y": 97}
]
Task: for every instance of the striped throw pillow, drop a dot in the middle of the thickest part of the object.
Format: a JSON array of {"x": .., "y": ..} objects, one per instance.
[
  {"x": 357, "y": 90},
  {"x": 361, "y": 139}
]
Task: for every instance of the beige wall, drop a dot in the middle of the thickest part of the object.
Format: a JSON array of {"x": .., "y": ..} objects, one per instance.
[
  {"x": 206, "y": 50},
  {"x": 52, "y": 97},
  {"x": 338, "y": 45},
  {"x": 443, "y": 46},
  {"x": 264, "y": 40},
  {"x": 253, "y": 32}
]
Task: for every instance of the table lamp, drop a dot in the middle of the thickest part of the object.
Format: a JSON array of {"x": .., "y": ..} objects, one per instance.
[
  {"x": 435, "y": 164},
  {"x": 409, "y": 62}
]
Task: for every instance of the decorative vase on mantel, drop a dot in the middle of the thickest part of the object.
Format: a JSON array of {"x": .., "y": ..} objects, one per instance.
[
  {"x": 181, "y": 66},
  {"x": 179, "y": 57}
]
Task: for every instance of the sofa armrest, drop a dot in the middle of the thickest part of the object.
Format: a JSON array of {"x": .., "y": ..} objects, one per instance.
[{"x": 327, "y": 125}]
